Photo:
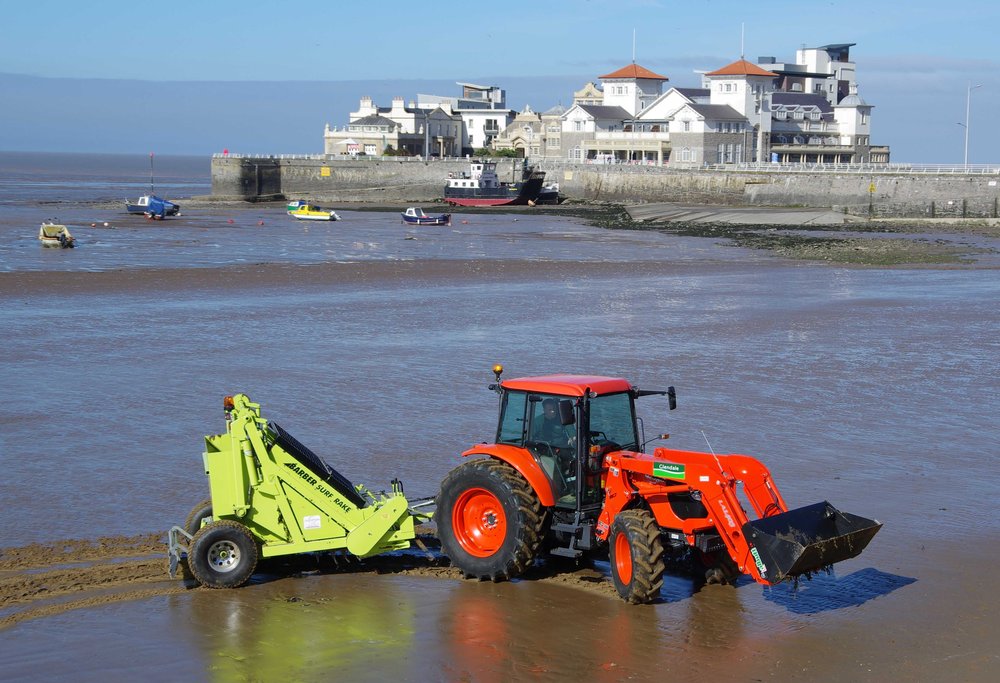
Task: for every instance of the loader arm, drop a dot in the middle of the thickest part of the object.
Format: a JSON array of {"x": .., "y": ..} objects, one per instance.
[{"x": 777, "y": 545}]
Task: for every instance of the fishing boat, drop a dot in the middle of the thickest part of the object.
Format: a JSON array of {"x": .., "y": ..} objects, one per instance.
[
  {"x": 481, "y": 186},
  {"x": 55, "y": 235},
  {"x": 304, "y": 211},
  {"x": 414, "y": 215},
  {"x": 150, "y": 205}
]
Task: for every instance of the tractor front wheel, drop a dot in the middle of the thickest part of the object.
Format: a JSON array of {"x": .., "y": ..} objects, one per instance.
[
  {"x": 636, "y": 554},
  {"x": 223, "y": 554},
  {"x": 199, "y": 512},
  {"x": 489, "y": 520}
]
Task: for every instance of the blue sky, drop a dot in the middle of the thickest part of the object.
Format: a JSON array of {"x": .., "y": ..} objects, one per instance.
[{"x": 915, "y": 62}]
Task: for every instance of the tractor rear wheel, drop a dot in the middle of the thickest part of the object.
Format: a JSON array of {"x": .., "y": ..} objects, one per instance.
[
  {"x": 199, "y": 512},
  {"x": 636, "y": 553},
  {"x": 223, "y": 554},
  {"x": 489, "y": 520}
]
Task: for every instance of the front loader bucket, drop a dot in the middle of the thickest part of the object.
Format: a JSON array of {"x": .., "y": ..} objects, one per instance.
[{"x": 807, "y": 539}]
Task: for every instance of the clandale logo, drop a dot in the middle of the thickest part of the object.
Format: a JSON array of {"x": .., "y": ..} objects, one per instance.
[{"x": 668, "y": 470}]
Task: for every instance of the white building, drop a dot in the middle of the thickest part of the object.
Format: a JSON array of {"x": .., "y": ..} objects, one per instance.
[
  {"x": 806, "y": 112},
  {"x": 483, "y": 109}
]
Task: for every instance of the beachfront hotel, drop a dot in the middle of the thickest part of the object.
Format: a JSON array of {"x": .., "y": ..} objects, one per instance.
[{"x": 807, "y": 111}]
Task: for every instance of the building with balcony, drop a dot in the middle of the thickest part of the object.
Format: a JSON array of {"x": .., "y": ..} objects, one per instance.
[
  {"x": 374, "y": 130},
  {"x": 483, "y": 109},
  {"x": 817, "y": 115},
  {"x": 430, "y": 126}
]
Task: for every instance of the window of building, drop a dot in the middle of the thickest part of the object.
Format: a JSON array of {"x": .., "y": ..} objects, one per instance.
[
  {"x": 729, "y": 87},
  {"x": 370, "y": 149},
  {"x": 687, "y": 126},
  {"x": 579, "y": 126},
  {"x": 552, "y": 143}
]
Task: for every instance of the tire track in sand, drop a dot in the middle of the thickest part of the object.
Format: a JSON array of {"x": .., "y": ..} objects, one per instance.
[{"x": 45, "y": 579}]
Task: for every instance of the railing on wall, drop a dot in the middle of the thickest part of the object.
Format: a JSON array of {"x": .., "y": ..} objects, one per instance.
[
  {"x": 896, "y": 168},
  {"x": 331, "y": 157}
]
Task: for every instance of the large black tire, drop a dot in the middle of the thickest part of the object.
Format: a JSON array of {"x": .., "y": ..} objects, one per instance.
[
  {"x": 489, "y": 520},
  {"x": 635, "y": 548},
  {"x": 199, "y": 512},
  {"x": 223, "y": 554}
]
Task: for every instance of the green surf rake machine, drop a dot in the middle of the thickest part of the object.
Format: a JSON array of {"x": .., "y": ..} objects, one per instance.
[{"x": 271, "y": 496}]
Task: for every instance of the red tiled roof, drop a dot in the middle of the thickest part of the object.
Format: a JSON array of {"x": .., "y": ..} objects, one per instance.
[
  {"x": 741, "y": 67},
  {"x": 633, "y": 70}
]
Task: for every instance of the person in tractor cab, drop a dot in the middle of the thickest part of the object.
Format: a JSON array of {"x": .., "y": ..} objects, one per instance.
[{"x": 550, "y": 430}]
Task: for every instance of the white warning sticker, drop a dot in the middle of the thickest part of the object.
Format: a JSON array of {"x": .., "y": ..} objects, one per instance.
[{"x": 310, "y": 522}]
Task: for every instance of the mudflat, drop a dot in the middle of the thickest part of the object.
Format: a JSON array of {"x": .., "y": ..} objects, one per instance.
[{"x": 873, "y": 388}]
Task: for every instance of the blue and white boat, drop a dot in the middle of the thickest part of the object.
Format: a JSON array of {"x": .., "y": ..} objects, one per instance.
[
  {"x": 416, "y": 216},
  {"x": 152, "y": 206}
]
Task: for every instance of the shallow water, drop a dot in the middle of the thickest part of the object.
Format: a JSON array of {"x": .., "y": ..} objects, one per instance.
[{"x": 874, "y": 389}]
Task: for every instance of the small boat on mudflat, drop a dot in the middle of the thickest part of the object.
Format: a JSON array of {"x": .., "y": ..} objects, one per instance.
[
  {"x": 549, "y": 194},
  {"x": 414, "y": 215},
  {"x": 152, "y": 206},
  {"x": 304, "y": 211},
  {"x": 481, "y": 186},
  {"x": 55, "y": 235}
]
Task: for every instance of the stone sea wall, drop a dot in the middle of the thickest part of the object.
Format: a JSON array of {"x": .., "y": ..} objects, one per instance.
[{"x": 400, "y": 181}]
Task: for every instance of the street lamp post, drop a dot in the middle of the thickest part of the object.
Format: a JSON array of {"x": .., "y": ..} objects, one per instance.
[{"x": 968, "y": 106}]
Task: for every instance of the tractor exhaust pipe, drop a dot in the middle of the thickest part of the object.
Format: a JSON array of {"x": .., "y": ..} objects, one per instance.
[{"x": 807, "y": 539}]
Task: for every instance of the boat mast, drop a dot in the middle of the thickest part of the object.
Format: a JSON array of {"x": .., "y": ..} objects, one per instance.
[{"x": 151, "y": 173}]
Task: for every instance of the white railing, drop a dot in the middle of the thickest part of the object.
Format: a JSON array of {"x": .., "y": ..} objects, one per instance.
[
  {"x": 329, "y": 157},
  {"x": 635, "y": 136},
  {"x": 231, "y": 155},
  {"x": 929, "y": 169}
]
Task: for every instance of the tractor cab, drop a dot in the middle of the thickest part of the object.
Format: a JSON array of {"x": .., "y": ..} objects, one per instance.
[
  {"x": 563, "y": 426},
  {"x": 567, "y": 427}
]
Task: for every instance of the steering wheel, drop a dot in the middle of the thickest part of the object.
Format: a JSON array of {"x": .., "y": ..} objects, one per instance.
[{"x": 540, "y": 446}]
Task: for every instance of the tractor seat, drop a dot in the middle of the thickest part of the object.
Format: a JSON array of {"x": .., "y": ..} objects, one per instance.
[{"x": 316, "y": 465}]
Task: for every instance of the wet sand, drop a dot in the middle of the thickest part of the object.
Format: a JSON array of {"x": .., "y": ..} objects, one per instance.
[{"x": 869, "y": 388}]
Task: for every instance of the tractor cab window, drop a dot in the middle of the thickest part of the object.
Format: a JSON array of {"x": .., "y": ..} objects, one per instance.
[
  {"x": 612, "y": 422},
  {"x": 533, "y": 421},
  {"x": 512, "y": 418}
]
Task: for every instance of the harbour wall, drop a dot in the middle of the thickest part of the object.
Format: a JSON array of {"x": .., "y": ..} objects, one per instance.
[{"x": 872, "y": 192}]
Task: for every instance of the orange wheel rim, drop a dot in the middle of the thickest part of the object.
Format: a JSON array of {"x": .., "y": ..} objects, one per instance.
[
  {"x": 479, "y": 522},
  {"x": 623, "y": 558}
]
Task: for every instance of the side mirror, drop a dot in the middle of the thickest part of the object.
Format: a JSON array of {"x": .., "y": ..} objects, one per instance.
[
  {"x": 672, "y": 398},
  {"x": 566, "y": 416}
]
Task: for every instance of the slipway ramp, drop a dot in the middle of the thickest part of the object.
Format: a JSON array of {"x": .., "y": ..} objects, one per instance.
[{"x": 741, "y": 215}]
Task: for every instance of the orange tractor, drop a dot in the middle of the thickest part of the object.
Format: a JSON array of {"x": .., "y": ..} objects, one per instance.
[{"x": 566, "y": 475}]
